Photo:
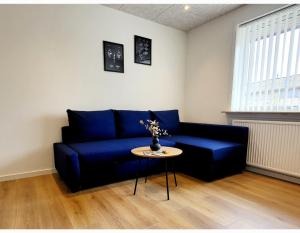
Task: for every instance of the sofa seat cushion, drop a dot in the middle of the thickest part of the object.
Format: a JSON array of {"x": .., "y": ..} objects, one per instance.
[
  {"x": 115, "y": 150},
  {"x": 217, "y": 149}
]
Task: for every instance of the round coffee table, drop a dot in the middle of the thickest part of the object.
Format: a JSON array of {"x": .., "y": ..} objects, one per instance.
[{"x": 166, "y": 152}]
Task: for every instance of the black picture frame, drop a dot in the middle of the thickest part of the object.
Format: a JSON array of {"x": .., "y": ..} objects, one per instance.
[
  {"x": 113, "y": 54},
  {"x": 142, "y": 50}
]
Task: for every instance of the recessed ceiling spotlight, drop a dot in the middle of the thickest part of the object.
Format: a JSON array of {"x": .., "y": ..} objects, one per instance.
[{"x": 186, "y": 7}]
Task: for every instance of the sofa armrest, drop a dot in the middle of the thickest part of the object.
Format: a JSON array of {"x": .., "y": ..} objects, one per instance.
[
  {"x": 67, "y": 164},
  {"x": 231, "y": 133}
]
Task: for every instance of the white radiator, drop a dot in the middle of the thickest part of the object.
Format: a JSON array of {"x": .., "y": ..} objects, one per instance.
[{"x": 273, "y": 145}]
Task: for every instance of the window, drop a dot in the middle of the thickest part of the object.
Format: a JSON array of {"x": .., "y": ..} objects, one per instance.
[{"x": 267, "y": 63}]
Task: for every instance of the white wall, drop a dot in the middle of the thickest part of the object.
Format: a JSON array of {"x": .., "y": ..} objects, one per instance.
[
  {"x": 210, "y": 56},
  {"x": 51, "y": 59}
]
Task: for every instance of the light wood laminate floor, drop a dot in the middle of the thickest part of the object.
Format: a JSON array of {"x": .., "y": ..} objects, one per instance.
[{"x": 241, "y": 201}]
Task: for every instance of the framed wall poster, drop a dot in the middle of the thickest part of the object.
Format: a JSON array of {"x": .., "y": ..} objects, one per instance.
[
  {"x": 142, "y": 50},
  {"x": 113, "y": 57}
]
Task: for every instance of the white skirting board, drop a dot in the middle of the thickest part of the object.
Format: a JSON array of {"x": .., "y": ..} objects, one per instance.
[
  {"x": 16, "y": 176},
  {"x": 273, "y": 174}
]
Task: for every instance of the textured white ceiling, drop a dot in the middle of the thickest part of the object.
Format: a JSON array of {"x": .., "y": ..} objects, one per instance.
[{"x": 174, "y": 15}]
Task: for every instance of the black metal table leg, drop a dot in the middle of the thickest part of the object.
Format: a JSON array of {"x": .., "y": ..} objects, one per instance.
[
  {"x": 147, "y": 170},
  {"x": 174, "y": 173},
  {"x": 137, "y": 175},
  {"x": 167, "y": 182}
]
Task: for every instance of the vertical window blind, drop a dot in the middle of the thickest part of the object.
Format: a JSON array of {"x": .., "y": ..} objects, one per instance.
[{"x": 267, "y": 63}]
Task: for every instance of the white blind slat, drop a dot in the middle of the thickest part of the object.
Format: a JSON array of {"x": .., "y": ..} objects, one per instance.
[
  {"x": 262, "y": 69},
  {"x": 290, "y": 54},
  {"x": 268, "y": 72},
  {"x": 245, "y": 64},
  {"x": 274, "y": 88},
  {"x": 296, "y": 103},
  {"x": 250, "y": 68}
]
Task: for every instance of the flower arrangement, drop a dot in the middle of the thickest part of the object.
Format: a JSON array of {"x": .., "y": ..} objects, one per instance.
[{"x": 153, "y": 127}]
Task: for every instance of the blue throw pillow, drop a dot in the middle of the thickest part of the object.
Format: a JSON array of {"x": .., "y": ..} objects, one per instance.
[
  {"x": 92, "y": 125},
  {"x": 128, "y": 123},
  {"x": 168, "y": 120}
]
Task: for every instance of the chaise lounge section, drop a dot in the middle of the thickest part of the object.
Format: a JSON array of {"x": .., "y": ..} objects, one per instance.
[
  {"x": 96, "y": 147},
  {"x": 211, "y": 151}
]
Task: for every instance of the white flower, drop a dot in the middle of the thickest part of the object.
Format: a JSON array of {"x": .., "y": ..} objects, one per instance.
[{"x": 153, "y": 127}]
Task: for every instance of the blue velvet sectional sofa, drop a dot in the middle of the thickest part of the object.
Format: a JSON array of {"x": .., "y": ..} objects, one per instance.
[{"x": 95, "y": 147}]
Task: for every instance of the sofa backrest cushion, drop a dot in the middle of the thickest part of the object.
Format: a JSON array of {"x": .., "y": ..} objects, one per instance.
[
  {"x": 128, "y": 123},
  {"x": 168, "y": 120},
  {"x": 92, "y": 125}
]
